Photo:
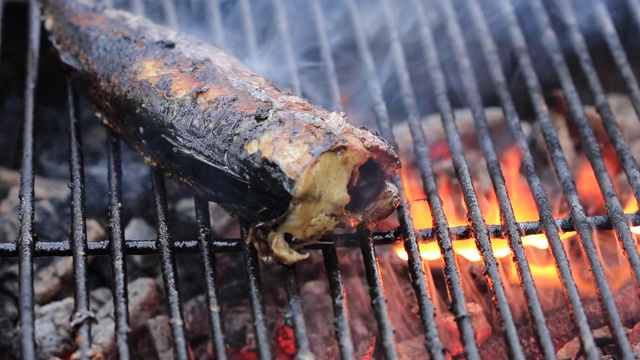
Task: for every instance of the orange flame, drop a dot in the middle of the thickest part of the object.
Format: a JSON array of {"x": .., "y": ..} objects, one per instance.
[
  {"x": 632, "y": 207},
  {"x": 455, "y": 210},
  {"x": 522, "y": 201}
]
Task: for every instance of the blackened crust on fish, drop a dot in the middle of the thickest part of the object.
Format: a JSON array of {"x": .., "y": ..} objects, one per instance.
[
  {"x": 210, "y": 123},
  {"x": 116, "y": 58}
]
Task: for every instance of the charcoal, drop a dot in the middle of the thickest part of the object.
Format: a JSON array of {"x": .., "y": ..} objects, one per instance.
[
  {"x": 51, "y": 207},
  {"x": 155, "y": 341},
  {"x": 561, "y": 326},
  {"x": 603, "y": 338},
  {"x": 634, "y": 338},
  {"x": 316, "y": 305},
  {"x": 44, "y": 188},
  {"x": 52, "y": 274},
  {"x": 139, "y": 229},
  {"x": 196, "y": 318},
  {"x": 9, "y": 339},
  {"x": 54, "y": 334}
]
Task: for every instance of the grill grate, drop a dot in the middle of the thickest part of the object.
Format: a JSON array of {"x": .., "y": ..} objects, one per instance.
[
  {"x": 117, "y": 242},
  {"x": 25, "y": 243},
  {"x": 26, "y": 247}
]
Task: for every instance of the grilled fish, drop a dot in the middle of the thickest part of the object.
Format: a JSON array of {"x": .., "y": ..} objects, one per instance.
[{"x": 292, "y": 170}]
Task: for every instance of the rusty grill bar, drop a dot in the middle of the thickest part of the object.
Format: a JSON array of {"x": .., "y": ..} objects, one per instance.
[{"x": 26, "y": 247}]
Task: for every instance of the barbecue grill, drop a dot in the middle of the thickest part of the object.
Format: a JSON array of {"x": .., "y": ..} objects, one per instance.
[{"x": 568, "y": 59}]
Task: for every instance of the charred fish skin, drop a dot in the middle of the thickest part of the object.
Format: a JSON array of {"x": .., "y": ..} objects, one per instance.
[{"x": 267, "y": 156}]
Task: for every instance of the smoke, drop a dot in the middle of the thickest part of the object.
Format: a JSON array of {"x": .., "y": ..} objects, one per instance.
[{"x": 255, "y": 35}]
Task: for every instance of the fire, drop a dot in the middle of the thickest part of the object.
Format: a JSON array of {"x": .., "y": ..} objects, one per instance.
[
  {"x": 522, "y": 202},
  {"x": 632, "y": 207}
]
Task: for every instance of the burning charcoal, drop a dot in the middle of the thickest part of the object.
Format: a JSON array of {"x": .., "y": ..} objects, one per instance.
[
  {"x": 183, "y": 219},
  {"x": 437, "y": 139},
  {"x": 239, "y": 329},
  {"x": 413, "y": 348},
  {"x": 95, "y": 231},
  {"x": 625, "y": 116},
  {"x": 51, "y": 273},
  {"x": 634, "y": 338},
  {"x": 285, "y": 340},
  {"x": 448, "y": 329},
  {"x": 366, "y": 348},
  {"x": 317, "y": 304},
  {"x": 561, "y": 326},
  {"x": 573, "y": 349}
]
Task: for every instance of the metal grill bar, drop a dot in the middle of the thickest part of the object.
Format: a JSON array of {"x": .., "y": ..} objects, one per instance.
[
  {"x": 25, "y": 241},
  {"x": 27, "y": 247},
  {"x": 293, "y": 291},
  {"x": 427, "y": 311},
  {"x": 629, "y": 165},
  {"x": 82, "y": 317},
  {"x": 117, "y": 247},
  {"x": 618, "y": 53},
  {"x": 481, "y": 234},
  {"x": 168, "y": 265},
  {"x": 255, "y": 296},
  {"x": 562, "y": 172},
  {"x": 297, "y": 316},
  {"x": 339, "y": 302},
  {"x": 208, "y": 258},
  {"x": 498, "y": 79},
  {"x": 602, "y": 106},
  {"x": 336, "y": 286},
  {"x": 418, "y": 282},
  {"x": 142, "y": 247},
  {"x": 474, "y": 101},
  {"x": 590, "y": 144},
  {"x": 542, "y": 202},
  {"x": 378, "y": 301}
]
